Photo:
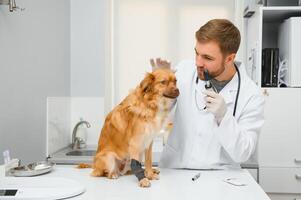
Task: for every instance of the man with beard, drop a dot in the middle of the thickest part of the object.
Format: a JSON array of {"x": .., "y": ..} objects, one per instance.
[{"x": 219, "y": 112}]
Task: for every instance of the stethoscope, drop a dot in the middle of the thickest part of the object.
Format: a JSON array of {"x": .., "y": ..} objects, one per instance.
[{"x": 237, "y": 94}]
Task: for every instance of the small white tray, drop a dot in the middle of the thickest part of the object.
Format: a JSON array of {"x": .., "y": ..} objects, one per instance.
[{"x": 32, "y": 169}]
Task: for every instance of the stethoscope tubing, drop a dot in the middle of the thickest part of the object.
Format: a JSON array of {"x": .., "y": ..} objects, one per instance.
[{"x": 238, "y": 90}]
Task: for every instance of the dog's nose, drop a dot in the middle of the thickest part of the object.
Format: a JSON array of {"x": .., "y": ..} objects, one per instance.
[{"x": 177, "y": 91}]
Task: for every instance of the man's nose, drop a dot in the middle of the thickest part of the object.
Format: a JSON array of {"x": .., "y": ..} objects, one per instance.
[{"x": 199, "y": 61}]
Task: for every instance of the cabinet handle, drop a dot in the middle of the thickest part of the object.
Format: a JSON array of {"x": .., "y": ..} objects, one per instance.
[
  {"x": 297, "y": 161},
  {"x": 298, "y": 177}
]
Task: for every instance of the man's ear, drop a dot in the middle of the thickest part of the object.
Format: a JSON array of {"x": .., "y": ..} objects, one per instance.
[
  {"x": 230, "y": 58},
  {"x": 146, "y": 84}
]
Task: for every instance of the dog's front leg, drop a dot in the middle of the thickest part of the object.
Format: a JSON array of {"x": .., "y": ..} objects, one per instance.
[
  {"x": 136, "y": 166},
  {"x": 150, "y": 173}
]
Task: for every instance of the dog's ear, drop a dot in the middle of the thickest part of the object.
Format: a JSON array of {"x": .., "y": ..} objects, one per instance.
[{"x": 146, "y": 84}]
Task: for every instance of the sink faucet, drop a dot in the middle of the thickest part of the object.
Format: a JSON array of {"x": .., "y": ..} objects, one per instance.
[{"x": 76, "y": 141}]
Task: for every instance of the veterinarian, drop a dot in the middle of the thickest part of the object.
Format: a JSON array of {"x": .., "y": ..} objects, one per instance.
[{"x": 213, "y": 130}]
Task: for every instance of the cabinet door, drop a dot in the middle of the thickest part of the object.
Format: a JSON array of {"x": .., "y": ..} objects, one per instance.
[
  {"x": 280, "y": 180},
  {"x": 277, "y": 196},
  {"x": 280, "y": 138}
]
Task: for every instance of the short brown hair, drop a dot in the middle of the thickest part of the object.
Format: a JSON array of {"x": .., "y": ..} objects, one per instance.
[{"x": 221, "y": 31}]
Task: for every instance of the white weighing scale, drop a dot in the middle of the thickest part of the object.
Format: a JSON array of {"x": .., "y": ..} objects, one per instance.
[{"x": 41, "y": 188}]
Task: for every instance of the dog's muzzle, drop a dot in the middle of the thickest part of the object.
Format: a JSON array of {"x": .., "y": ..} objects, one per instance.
[{"x": 172, "y": 94}]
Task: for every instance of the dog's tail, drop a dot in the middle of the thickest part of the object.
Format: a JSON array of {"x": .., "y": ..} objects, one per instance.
[{"x": 83, "y": 166}]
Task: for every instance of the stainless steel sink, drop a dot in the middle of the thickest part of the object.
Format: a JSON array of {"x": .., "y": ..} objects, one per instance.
[{"x": 81, "y": 153}]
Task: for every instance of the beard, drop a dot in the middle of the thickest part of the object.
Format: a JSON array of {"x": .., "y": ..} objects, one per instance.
[{"x": 212, "y": 74}]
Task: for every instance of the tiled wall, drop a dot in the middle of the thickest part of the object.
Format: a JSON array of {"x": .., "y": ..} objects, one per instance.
[
  {"x": 62, "y": 115},
  {"x": 58, "y": 123},
  {"x": 90, "y": 109}
]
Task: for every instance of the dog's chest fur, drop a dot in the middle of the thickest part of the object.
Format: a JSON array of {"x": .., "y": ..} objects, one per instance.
[{"x": 160, "y": 121}]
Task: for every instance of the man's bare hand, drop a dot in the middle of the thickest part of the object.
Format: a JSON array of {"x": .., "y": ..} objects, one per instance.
[{"x": 159, "y": 63}]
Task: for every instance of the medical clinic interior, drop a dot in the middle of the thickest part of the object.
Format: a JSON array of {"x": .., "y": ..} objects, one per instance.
[{"x": 150, "y": 99}]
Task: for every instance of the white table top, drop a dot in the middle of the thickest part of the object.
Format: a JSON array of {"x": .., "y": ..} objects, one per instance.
[{"x": 173, "y": 184}]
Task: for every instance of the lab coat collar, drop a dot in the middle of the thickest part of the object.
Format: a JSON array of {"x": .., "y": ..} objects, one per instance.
[{"x": 230, "y": 90}]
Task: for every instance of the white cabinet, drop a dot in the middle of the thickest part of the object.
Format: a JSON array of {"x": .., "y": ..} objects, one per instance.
[
  {"x": 280, "y": 196},
  {"x": 280, "y": 139},
  {"x": 281, "y": 180},
  {"x": 279, "y": 147}
]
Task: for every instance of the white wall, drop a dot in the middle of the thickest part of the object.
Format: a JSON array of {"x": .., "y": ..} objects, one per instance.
[
  {"x": 34, "y": 64},
  {"x": 87, "y": 48},
  {"x": 158, "y": 28}
]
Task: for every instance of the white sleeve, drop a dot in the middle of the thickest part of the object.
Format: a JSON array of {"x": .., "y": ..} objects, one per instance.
[{"x": 239, "y": 137}]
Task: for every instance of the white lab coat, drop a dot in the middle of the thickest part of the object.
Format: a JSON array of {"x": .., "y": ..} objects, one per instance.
[{"x": 196, "y": 141}]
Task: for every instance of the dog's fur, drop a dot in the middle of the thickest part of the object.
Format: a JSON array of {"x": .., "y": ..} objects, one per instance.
[{"x": 131, "y": 126}]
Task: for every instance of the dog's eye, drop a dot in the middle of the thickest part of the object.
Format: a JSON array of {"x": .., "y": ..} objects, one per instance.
[{"x": 163, "y": 82}]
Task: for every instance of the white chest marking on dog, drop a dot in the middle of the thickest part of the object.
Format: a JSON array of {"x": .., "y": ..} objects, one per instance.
[{"x": 160, "y": 122}]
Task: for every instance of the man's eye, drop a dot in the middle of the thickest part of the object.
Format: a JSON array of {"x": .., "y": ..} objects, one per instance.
[
  {"x": 208, "y": 58},
  {"x": 163, "y": 82}
]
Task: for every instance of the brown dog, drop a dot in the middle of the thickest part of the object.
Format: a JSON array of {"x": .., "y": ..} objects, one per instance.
[{"x": 131, "y": 126}]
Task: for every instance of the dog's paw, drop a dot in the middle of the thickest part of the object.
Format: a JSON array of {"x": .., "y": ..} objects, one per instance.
[
  {"x": 113, "y": 175},
  {"x": 96, "y": 173},
  {"x": 151, "y": 175},
  {"x": 144, "y": 182},
  {"x": 156, "y": 171}
]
